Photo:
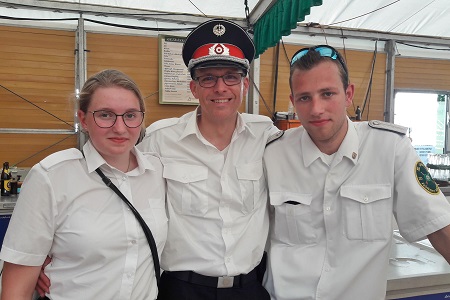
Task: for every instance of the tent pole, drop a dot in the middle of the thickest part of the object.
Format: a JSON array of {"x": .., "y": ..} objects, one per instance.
[
  {"x": 389, "y": 103},
  {"x": 80, "y": 75}
]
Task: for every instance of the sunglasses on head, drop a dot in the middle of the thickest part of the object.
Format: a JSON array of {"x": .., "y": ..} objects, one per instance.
[{"x": 323, "y": 50}]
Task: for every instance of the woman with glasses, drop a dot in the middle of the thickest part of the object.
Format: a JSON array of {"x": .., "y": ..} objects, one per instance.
[{"x": 65, "y": 211}]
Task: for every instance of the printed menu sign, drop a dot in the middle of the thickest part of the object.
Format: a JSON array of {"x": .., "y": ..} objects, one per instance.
[{"x": 174, "y": 76}]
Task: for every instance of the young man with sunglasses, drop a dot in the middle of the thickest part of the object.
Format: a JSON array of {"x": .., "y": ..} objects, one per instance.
[
  {"x": 212, "y": 157},
  {"x": 334, "y": 185}
]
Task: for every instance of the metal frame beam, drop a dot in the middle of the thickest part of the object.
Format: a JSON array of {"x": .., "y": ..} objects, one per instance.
[
  {"x": 36, "y": 131},
  {"x": 260, "y": 9},
  {"x": 369, "y": 35},
  {"x": 103, "y": 10}
]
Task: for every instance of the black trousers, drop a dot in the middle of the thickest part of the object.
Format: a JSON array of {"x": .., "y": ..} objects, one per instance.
[{"x": 172, "y": 288}]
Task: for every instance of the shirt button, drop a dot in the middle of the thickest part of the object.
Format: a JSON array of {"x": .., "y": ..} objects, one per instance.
[
  {"x": 228, "y": 259},
  {"x": 327, "y": 208},
  {"x": 366, "y": 199},
  {"x": 133, "y": 242}
]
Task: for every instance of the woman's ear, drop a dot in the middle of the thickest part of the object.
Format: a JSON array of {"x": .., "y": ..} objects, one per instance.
[{"x": 82, "y": 118}]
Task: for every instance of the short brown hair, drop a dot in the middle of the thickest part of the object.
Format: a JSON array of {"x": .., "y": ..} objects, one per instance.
[{"x": 311, "y": 59}]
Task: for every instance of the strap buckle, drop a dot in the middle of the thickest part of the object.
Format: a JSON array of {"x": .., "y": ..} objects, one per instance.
[{"x": 225, "y": 282}]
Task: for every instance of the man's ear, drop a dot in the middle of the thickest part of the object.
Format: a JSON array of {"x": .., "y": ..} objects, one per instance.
[
  {"x": 193, "y": 87},
  {"x": 246, "y": 84},
  {"x": 349, "y": 93}
]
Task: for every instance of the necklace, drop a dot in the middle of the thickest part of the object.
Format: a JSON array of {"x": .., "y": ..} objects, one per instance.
[{"x": 129, "y": 163}]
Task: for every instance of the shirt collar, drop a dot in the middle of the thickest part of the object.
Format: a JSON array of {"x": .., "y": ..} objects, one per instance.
[
  {"x": 94, "y": 160},
  {"x": 350, "y": 145},
  {"x": 348, "y": 148},
  {"x": 309, "y": 149},
  {"x": 192, "y": 127}
]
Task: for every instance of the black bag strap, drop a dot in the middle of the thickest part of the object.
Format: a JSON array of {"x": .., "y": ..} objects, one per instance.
[{"x": 147, "y": 231}]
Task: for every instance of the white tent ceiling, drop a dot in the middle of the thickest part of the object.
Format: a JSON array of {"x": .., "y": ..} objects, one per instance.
[
  {"x": 412, "y": 17},
  {"x": 424, "y": 21}
]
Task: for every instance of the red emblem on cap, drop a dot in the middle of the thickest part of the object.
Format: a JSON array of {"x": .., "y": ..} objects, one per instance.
[{"x": 218, "y": 49}]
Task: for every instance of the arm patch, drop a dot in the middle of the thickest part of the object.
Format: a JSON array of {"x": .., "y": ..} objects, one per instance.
[{"x": 388, "y": 126}]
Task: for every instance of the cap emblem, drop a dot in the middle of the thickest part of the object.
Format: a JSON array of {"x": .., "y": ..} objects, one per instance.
[
  {"x": 219, "y": 30},
  {"x": 219, "y": 49}
]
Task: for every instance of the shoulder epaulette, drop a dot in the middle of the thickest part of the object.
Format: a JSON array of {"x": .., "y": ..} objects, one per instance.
[
  {"x": 274, "y": 137},
  {"x": 255, "y": 118},
  {"x": 60, "y": 156},
  {"x": 161, "y": 124},
  {"x": 388, "y": 126}
]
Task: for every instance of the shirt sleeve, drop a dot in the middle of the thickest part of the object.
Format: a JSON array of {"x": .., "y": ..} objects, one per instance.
[
  {"x": 30, "y": 232},
  {"x": 419, "y": 208}
]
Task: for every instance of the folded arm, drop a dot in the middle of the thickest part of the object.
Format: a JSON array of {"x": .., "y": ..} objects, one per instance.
[{"x": 441, "y": 241}]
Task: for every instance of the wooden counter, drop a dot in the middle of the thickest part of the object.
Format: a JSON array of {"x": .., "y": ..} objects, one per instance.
[{"x": 287, "y": 124}]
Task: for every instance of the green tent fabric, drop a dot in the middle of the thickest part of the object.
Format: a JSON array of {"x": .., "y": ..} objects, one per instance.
[{"x": 279, "y": 21}]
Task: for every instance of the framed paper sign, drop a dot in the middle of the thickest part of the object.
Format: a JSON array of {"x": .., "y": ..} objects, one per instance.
[{"x": 174, "y": 76}]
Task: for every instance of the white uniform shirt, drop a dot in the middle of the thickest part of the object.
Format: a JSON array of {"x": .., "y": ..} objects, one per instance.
[
  {"x": 217, "y": 200},
  {"x": 332, "y": 226},
  {"x": 98, "y": 248}
]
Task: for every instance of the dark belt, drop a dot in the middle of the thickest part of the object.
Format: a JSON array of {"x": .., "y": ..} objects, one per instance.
[{"x": 215, "y": 282}]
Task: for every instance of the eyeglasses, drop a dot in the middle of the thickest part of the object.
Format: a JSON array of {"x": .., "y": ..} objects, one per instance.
[
  {"x": 107, "y": 119},
  {"x": 230, "y": 79},
  {"x": 323, "y": 50}
]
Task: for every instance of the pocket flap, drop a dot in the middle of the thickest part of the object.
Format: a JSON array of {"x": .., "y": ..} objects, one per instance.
[
  {"x": 366, "y": 193},
  {"x": 185, "y": 173},
  {"x": 279, "y": 198},
  {"x": 251, "y": 171}
]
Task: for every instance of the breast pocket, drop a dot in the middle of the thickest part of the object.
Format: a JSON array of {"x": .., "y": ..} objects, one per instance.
[
  {"x": 293, "y": 218},
  {"x": 250, "y": 177},
  {"x": 367, "y": 211},
  {"x": 186, "y": 188}
]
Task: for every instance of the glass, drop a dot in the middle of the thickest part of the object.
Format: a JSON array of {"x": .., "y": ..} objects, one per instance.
[
  {"x": 230, "y": 79},
  {"x": 323, "y": 50},
  {"x": 107, "y": 119}
]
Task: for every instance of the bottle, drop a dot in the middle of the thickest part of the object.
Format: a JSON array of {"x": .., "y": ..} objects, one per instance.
[
  {"x": 6, "y": 179},
  {"x": 13, "y": 186},
  {"x": 19, "y": 184},
  {"x": 291, "y": 112},
  {"x": 358, "y": 113}
]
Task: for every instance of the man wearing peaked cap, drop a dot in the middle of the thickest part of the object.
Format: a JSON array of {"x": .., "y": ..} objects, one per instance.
[
  {"x": 216, "y": 190},
  {"x": 218, "y": 43}
]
